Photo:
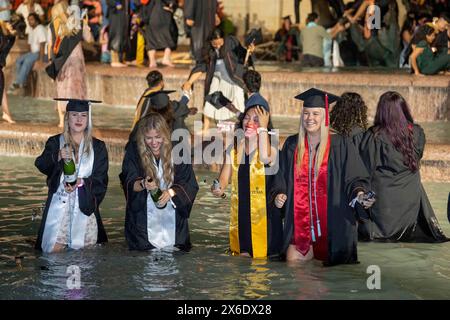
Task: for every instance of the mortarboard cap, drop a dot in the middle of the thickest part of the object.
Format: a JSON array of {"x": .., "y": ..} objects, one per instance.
[
  {"x": 288, "y": 17},
  {"x": 159, "y": 99},
  {"x": 257, "y": 99},
  {"x": 217, "y": 99},
  {"x": 77, "y": 105},
  {"x": 255, "y": 36},
  {"x": 315, "y": 98}
]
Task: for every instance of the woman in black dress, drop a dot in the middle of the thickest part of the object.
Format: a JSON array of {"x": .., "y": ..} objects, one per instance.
[
  {"x": 161, "y": 31},
  {"x": 391, "y": 151}
]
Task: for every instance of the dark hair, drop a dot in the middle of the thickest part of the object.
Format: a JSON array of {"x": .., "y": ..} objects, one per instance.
[
  {"x": 167, "y": 113},
  {"x": 394, "y": 119},
  {"x": 242, "y": 116},
  {"x": 35, "y": 16},
  {"x": 445, "y": 16},
  {"x": 349, "y": 112},
  {"x": 252, "y": 80},
  {"x": 312, "y": 17},
  {"x": 217, "y": 33},
  {"x": 421, "y": 33},
  {"x": 154, "y": 78}
]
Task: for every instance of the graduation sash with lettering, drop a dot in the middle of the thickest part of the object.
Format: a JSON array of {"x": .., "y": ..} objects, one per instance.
[
  {"x": 303, "y": 235},
  {"x": 258, "y": 210}
]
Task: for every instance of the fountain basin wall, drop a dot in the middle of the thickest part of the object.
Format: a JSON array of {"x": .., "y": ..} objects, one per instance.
[
  {"x": 428, "y": 97},
  {"x": 29, "y": 140}
]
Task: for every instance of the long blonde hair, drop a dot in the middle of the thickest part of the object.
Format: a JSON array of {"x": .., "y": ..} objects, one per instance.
[
  {"x": 324, "y": 132},
  {"x": 70, "y": 26},
  {"x": 87, "y": 136},
  {"x": 156, "y": 122}
]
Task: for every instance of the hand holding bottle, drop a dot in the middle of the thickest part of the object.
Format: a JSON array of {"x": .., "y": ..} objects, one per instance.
[
  {"x": 149, "y": 184},
  {"x": 65, "y": 152}
]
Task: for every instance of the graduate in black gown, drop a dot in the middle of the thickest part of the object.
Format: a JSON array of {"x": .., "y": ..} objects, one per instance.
[
  {"x": 175, "y": 112},
  {"x": 320, "y": 175},
  {"x": 71, "y": 216},
  {"x": 255, "y": 223},
  {"x": 391, "y": 151},
  {"x": 148, "y": 165},
  {"x": 161, "y": 32},
  {"x": 201, "y": 19},
  {"x": 348, "y": 117},
  {"x": 118, "y": 36}
]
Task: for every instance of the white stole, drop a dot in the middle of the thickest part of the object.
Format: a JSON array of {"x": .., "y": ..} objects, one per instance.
[
  {"x": 160, "y": 222},
  {"x": 63, "y": 203}
]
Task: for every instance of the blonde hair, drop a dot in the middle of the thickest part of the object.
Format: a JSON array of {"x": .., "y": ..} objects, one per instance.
[
  {"x": 154, "y": 121},
  {"x": 68, "y": 137},
  {"x": 63, "y": 28},
  {"x": 324, "y": 132},
  {"x": 5, "y": 30}
]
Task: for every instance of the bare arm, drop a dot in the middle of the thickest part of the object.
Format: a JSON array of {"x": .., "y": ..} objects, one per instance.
[{"x": 416, "y": 52}]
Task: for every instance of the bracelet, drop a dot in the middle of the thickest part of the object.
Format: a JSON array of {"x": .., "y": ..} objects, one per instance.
[
  {"x": 143, "y": 183},
  {"x": 171, "y": 193},
  {"x": 259, "y": 130}
]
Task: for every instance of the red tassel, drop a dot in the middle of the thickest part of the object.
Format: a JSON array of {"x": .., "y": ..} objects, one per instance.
[{"x": 326, "y": 110}]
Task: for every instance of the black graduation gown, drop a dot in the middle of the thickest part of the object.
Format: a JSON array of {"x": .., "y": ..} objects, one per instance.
[
  {"x": 160, "y": 28},
  {"x": 203, "y": 12},
  {"x": 95, "y": 185},
  {"x": 346, "y": 176},
  {"x": 402, "y": 211},
  {"x": 118, "y": 25},
  {"x": 274, "y": 220},
  {"x": 233, "y": 55},
  {"x": 67, "y": 45},
  {"x": 185, "y": 186}
]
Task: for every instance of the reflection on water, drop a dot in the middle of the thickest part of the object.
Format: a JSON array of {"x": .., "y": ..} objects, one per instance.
[{"x": 408, "y": 271}]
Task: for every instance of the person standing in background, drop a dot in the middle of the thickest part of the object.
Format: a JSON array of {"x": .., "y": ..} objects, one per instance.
[
  {"x": 7, "y": 39},
  {"x": 118, "y": 30},
  {"x": 200, "y": 18},
  {"x": 5, "y": 10}
]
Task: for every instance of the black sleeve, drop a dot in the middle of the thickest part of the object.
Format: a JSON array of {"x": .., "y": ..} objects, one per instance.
[
  {"x": 189, "y": 9},
  {"x": 420, "y": 141},
  {"x": 356, "y": 176},
  {"x": 367, "y": 150},
  {"x": 47, "y": 162},
  {"x": 130, "y": 172},
  {"x": 279, "y": 184},
  {"x": 186, "y": 188},
  {"x": 96, "y": 185},
  {"x": 180, "y": 108}
]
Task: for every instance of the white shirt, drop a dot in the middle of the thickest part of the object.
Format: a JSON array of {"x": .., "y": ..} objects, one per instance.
[
  {"x": 37, "y": 36},
  {"x": 23, "y": 11}
]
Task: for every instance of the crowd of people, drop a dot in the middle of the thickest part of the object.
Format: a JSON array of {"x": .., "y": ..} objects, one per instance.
[{"x": 367, "y": 33}]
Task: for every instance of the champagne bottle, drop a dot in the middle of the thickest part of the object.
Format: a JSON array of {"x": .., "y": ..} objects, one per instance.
[
  {"x": 69, "y": 170},
  {"x": 156, "y": 194}
]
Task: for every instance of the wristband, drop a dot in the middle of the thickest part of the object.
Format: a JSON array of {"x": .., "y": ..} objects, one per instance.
[
  {"x": 143, "y": 183},
  {"x": 259, "y": 130},
  {"x": 171, "y": 193}
]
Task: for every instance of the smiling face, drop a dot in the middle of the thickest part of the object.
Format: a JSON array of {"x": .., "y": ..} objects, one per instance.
[
  {"x": 312, "y": 119},
  {"x": 217, "y": 43},
  {"x": 153, "y": 140},
  {"x": 250, "y": 122},
  {"x": 78, "y": 121}
]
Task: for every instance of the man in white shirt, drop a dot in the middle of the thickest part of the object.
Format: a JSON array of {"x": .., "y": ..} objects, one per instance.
[
  {"x": 27, "y": 7},
  {"x": 37, "y": 39}
]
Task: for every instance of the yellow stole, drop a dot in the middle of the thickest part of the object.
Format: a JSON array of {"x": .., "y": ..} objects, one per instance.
[{"x": 258, "y": 210}]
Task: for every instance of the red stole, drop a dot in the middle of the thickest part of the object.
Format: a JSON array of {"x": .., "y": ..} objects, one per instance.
[{"x": 302, "y": 222}]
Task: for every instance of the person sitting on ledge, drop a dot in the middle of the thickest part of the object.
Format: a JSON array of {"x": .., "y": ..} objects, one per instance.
[{"x": 425, "y": 59}]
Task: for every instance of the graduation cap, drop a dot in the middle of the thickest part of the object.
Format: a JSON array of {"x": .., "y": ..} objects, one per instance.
[
  {"x": 255, "y": 36},
  {"x": 159, "y": 99},
  {"x": 288, "y": 17},
  {"x": 257, "y": 99},
  {"x": 315, "y": 98},
  {"x": 217, "y": 99},
  {"x": 77, "y": 105}
]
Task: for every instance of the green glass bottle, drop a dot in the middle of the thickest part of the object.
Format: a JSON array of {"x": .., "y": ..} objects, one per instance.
[
  {"x": 69, "y": 169},
  {"x": 156, "y": 194}
]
